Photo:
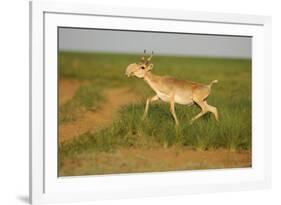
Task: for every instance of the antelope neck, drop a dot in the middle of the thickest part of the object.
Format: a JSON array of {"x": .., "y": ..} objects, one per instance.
[
  {"x": 151, "y": 79},
  {"x": 148, "y": 76}
]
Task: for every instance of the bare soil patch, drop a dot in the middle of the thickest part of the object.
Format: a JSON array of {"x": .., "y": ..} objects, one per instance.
[
  {"x": 67, "y": 89},
  {"x": 93, "y": 120},
  {"x": 152, "y": 160}
]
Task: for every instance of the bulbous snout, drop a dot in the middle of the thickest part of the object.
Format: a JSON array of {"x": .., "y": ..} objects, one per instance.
[{"x": 130, "y": 69}]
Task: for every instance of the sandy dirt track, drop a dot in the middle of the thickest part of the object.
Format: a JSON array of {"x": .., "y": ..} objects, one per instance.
[
  {"x": 91, "y": 120},
  {"x": 128, "y": 160},
  {"x": 67, "y": 89}
]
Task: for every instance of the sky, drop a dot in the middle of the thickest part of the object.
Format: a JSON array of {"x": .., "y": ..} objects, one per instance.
[{"x": 134, "y": 42}]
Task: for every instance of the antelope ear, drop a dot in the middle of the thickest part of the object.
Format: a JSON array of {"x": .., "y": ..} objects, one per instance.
[{"x": 150, "y": 66}]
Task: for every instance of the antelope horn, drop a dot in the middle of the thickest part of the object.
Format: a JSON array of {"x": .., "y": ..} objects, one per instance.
[
  {"x": 150, "y": 57},
  {"x": 143, "y": 58}
]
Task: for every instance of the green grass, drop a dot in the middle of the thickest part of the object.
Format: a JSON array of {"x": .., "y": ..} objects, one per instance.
[{"x": 232, "y": 97}]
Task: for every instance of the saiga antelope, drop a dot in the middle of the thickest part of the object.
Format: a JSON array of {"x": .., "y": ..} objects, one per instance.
[{"x": 172, "y": 90}]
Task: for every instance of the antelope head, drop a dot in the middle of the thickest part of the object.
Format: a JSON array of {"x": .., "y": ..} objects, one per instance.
[{"x": 140, "y": 69}]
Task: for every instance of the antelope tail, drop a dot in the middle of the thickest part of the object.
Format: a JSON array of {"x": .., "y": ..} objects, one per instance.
[{"x": 214, "y": 81}]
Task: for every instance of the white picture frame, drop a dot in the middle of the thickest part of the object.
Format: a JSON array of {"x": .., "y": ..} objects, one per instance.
[{"x": 46, "y": 186}]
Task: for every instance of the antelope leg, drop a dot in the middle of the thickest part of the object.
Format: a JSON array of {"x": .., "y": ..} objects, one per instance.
[
  {"x": 172, "y": 109},
  {"x": 213, "y": 110},
  {"x": 204, "y": 110},
  {"x": 151, "y": 99}
]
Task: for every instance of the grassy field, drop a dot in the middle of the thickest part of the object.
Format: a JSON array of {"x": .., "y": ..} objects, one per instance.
[{"x": 99, "y": 72}]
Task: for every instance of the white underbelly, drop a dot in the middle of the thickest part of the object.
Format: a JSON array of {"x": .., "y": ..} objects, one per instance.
[
  {"x": 183, "y": 100},
  {"x": 178, "y": 99}
]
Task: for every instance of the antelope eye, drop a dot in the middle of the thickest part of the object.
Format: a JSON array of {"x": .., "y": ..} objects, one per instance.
[{"x": 142, "y": 67}]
